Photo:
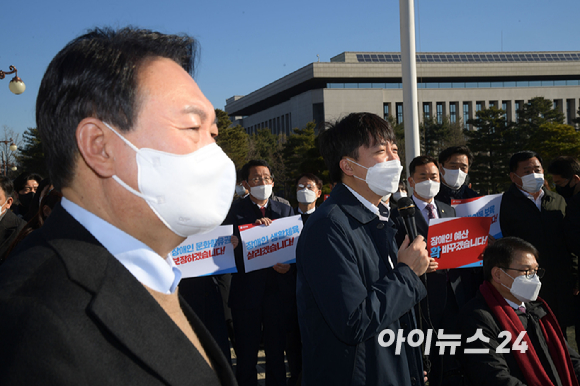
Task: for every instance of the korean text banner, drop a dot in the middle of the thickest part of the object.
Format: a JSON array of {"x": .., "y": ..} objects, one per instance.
[
  {"x": 264, "y": 246},
  {"x": 206, "y": 254},
  {"x": 458, "y": 242},
  {"x": 486, "y": 206}
]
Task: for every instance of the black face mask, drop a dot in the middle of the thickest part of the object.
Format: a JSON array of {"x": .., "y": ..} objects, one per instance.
[
  {"x": 25, "y": 199},
  {"x": 566, "y": 191}
]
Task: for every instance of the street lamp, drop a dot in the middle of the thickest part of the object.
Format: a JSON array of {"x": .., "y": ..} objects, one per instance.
[{"x": 16, "y": 85}]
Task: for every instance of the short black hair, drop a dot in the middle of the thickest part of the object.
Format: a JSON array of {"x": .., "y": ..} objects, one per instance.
[
  {"x": 23, "y": 178},
  {"x": 344, "y": 137},
  {"x": 96, "y": 75},
  {"x": 245, "y": 172},
  {"x": 522, "y": 156},
  {"x": 565, "y": 167},
  {"x": 501, "y": 253},
  {"x": 421, "y": 160},
  {"x": 312, "y": 177},
  {"x": 7, "y": 186},
  {"x": 447, "y": 153}
]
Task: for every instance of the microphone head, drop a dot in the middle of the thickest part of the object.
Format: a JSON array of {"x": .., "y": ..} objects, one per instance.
[{"x": 406, "y": 207}]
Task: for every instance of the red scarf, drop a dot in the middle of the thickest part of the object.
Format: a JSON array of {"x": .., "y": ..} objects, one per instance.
[{"x": 528, "y": 361}]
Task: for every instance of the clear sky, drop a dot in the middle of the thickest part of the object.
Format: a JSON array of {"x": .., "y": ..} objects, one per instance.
[{"x": 248, "y": 44}]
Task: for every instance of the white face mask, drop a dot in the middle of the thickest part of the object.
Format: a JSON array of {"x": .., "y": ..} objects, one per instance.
[
  {"x": 386, "y": 197},
  {"x": 454, "y": 178},
  {"x": 383, "y": 177},
  {"x": 306, "y": 196},
  {"x": 532, "y": 183},
  {"x": 427, "y": 189},
  {"x": 5, "y": 209},
  {"x": 524, "y": 289},
  {"x": 190, "y": 193},
  {"x": 240, "y": 190},
  {"x": 398, "y": 195},
  {"x": 261, "y": 192}
]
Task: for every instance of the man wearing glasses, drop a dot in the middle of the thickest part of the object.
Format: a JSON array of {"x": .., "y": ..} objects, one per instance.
[
  {"x": 259, "y": 300},
  {"x": 509, "y": 334}
]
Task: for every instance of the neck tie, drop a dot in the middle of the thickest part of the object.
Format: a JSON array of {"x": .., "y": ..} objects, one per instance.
[
  {"x": 522, "y": 309},
  {"x": 431, "y": 214},
  {"x": 263, "y": 210}
]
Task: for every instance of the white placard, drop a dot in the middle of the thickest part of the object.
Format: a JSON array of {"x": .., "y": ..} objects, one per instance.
[
  {"x": 207, "y": 254},
  {"x": 264, "y": 246},
  {"x": 486, "y": 206}
]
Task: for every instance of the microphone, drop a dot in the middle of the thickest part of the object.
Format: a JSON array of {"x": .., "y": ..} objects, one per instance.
[{"x": 407, "y": 211}]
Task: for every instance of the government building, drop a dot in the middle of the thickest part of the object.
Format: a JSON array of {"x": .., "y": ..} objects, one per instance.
[{"x": 453, "y": 85}]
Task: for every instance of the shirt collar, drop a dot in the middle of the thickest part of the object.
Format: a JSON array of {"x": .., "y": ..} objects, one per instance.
[
  {"x": 515, "y": 306},
  {"x": 309, "y": 211},
  {"x": 152, "y": 270},
  {"x": 537, "y": 201},
  {"x": 367, "y": 204}
]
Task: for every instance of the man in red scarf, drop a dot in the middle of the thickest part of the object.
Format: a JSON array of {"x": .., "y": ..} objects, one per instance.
[{"x": 494, "y": 349}]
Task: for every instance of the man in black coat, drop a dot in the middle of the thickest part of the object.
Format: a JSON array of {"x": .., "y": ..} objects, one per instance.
[
  {"x": 10, "y": 224},
  {"x": 454, "y": 163},
  {"x": 261, "y": 299},
  {"x": 565, "y": 173},
  {"x": 352, "y": 284},
  {"x": 533, "y": 213},
  {"x": 91, "y": 298},
  {"x": 507, "y": 302}
]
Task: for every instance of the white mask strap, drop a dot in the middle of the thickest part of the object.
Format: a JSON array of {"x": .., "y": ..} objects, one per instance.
[{"x": 123, "y": 138}]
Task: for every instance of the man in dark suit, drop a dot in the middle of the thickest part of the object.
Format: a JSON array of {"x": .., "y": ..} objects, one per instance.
[
  {"x": 259, "y": 300},
  {"x": 535, "y": 214},
  {"x": 91, "y": 297},
  {"x": 440, "y": 305},
  {"x": 508, "y": 302},
  {"x": 352, "y": 282},
  {"x": 10, "y": 224}
]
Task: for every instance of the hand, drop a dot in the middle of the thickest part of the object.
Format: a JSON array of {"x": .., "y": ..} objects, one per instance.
[
  {"x": 425, "y": 374},
  {"x": 263, "y": 221},
  {"x": 235, "y": 241},
  {"x": 414, "y": 255},
  {"x": 281, "y": 268},
  {"x": 433, "y": 265},
  {"x": 575, "y": 292}
]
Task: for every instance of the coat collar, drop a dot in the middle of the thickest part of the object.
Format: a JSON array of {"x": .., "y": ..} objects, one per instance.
[
  {"x": 123, "y": 307},
  {"x": 351, "y": 205}
]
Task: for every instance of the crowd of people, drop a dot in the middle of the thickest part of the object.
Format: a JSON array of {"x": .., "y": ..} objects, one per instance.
[{"x": 88, "y": 294}]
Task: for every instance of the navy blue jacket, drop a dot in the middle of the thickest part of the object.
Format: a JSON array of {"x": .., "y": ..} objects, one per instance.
[
  {"x": 248, "y": 289},
  {"x": 348, "y": 293}
]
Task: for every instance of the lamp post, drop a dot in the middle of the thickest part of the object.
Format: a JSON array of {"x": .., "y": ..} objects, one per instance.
[
  {"x": 16, "y": 85},
  {"x": 12, "y": 147}
]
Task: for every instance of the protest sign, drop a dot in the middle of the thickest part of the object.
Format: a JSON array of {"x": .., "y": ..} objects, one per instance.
[
  {"x": 486, "y": 206},
  {"x": 206, "y": 254},
  {"x": 264, "y": 246},
  {"x": 458, "y": 242}
]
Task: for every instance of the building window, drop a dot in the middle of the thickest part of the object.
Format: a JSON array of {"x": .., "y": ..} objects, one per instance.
[
  {"x": 426, "y": 111},
  {"x": 399, "y": 107},
  {"x": 493, "y": 104},
  {"x": 518, "y": 106},
  {"x": 478, "y": 106},
  {"x": 570, "y": 111},
  {"x": 452, "y": 112},
  {"x": 386, "y": 111},
  {"x": 466, "y": 115},
  {"x": 439, "y": 112}
]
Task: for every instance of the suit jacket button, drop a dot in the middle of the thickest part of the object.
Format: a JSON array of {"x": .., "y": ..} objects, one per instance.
[{"x": 381, "y": 225}]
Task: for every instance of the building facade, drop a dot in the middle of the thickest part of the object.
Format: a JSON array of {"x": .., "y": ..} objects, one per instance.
[{"x": 453, "y": 85}]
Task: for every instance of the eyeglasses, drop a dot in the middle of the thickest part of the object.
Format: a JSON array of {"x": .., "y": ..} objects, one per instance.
[
  {"x": 530, "y": 273},
  {"x": 265, "y": 180}
]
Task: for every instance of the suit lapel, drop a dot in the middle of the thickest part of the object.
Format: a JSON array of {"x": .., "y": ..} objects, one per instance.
[
  {"x": 121, "y": 305},
  {"x": 422, "y": 226}
]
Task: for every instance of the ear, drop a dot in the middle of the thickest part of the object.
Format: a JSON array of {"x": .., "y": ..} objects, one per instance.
[
  {"x": 246, "y": 185},
  {"x": 346, "y": 167},
  {"x": 9, "y": 202},
  {"x": 411, "y": 182},
  {"x": 94, "y": 143},
  {"x": 319, "y": 193},
  {"x": 495, "y": 274},
  {"x": 441, "y": 170},
  {"x": 515, "y": 179},
  {"x": 46, "y": 211}
]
